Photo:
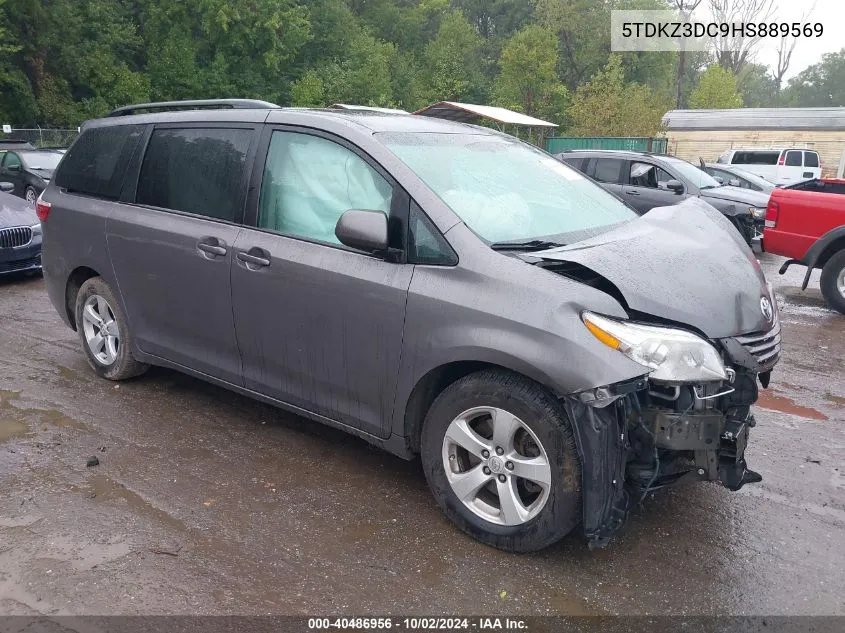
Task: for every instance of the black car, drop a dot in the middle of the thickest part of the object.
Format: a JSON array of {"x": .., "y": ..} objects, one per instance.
[
  {"x": 645, "y": 181},
  {"x": 29, "y": 170},
  {"x": 20, "y": 234}
]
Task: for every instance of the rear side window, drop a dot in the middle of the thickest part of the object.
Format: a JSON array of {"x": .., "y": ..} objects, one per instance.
[
  {"x": 793, "y": 159},
  {"x": 577, "y": 163},
  {"x": 195, "y": 170},
  {"x": 11, "y": 160},
  {"x": 96, "y": 163},
  {"x": 756, "y": 158},
  {"x": 606, "y": 170},
  {"x": 811, "y": 159}
]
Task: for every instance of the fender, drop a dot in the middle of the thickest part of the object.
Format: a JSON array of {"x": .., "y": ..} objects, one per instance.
[{"x": 814, "y": 253}]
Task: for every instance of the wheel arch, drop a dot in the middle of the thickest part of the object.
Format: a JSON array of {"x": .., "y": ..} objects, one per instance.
[
  {"x": 822, "y": 250},
  {"x": 436, "y": 380},
  {"x": 824, "y": 247},
  {"x": 77, "y": 277}
]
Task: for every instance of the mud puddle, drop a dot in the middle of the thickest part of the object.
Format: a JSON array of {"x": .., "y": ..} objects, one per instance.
[
  {"x": 102, "y": 488},
  {"x": 12, "y": 428},
  {"x": 783, "y": 404}
]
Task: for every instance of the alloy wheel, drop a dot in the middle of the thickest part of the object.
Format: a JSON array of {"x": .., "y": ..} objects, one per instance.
[
  {"x": 496, "y": 466},
  {"x": 101, "y": 332}
]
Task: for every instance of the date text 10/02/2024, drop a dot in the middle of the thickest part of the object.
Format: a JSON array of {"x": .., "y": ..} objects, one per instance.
[{"x": 419, "y": 624}]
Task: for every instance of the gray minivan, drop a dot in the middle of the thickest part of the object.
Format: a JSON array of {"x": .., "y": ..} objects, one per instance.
[{"x": 436, "y": 288}]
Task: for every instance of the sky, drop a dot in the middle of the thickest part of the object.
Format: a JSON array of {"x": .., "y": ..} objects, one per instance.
[{"x": 808, "y": 50}]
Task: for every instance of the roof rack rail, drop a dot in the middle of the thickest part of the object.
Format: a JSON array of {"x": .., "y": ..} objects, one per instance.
[{"x": 195, "y": 104}]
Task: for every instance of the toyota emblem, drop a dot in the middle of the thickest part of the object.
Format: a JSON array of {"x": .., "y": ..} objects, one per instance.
[{"x": 766, "y": 309}]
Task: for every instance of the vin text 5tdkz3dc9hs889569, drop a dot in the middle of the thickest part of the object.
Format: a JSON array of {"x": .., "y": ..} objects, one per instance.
[{"x": 436, "y": 288}]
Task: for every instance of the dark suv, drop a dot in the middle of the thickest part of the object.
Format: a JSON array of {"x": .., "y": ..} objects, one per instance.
[
  {"x": 436, "y": 288},
  {"x": 645, "y": 181}
]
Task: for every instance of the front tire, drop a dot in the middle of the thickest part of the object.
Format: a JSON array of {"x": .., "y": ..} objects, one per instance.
[
  {"x": 104, "y": 332},
  {"x": 500, "y": 458},
  {"x": 833, "y": 281}
]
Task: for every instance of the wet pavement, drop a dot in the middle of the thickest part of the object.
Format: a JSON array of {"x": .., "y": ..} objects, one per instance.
[{"x": 207, "y": 502}]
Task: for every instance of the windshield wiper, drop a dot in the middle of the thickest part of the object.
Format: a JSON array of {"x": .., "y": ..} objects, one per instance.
[{"x": 530, "y": 245}]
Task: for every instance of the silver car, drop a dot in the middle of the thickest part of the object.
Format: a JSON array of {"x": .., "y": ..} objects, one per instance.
[{"x": 436, "y": 288}]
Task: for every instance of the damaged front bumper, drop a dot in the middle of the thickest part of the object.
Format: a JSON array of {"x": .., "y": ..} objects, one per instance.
[{"x": 640, "y": 435}]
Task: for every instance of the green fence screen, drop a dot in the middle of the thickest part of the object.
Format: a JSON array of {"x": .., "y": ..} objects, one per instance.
[{"x": 558, "y": 144}]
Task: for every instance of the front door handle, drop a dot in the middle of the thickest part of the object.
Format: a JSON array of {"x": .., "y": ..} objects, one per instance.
[
  {"x": 212, "y": 247},
  {"x": 255, "y": 256},
  {"x": 632, "y": 192}
]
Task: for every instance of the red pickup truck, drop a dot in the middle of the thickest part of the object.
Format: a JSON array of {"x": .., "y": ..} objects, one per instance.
[{"x": 806, "y": 222}]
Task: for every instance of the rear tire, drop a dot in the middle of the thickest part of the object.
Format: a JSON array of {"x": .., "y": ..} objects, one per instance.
[
  {"x": 104, "y": 332},
  {"x": 833, "y": 281},
  {"x": 31, "y": 195},
  {"x": 526, "y": 493}
]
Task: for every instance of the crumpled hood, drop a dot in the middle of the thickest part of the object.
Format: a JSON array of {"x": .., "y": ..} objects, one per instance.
[
  {"x": 16, "y": 211},
  {"x": 738, "y": 195},
  {"x": 685, "y": 263}
]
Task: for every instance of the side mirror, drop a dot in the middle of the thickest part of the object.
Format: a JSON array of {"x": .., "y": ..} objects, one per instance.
[
  {"x": 675, "y": 185},
  {"x": 363, "y": 230},
  {"x": 14, "y": 167},
  {"x": 719, "y": 179},
  {"x": 733, "y": 182},
  {"x": 6, "y": 186}
]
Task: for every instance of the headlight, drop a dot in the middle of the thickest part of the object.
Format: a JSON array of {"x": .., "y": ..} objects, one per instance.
[
  {"x": 757, "y": 213},
  {"x": 36, "y": 229},
  {"x": 671, "y": 355}
]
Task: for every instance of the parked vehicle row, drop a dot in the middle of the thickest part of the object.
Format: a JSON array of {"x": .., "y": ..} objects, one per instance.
[
  {"x": 806, "y": 222},
  {"x": 28, "y": 169},
  {"x": 436, "y": 288},
  {"x": 645, "y": 181}
]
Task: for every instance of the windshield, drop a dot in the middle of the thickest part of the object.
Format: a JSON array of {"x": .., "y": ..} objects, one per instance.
[
  {"x": 41, "y": 160},
  {"x": 692, "y": 174},
  {"x": 506, "y": 190}
]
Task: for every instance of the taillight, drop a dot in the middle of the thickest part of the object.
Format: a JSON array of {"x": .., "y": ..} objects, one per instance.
[
  {"x": 782, "y": 158},
  {"x": 772, "y": 210},
  {"x": 42, "y": 209}
]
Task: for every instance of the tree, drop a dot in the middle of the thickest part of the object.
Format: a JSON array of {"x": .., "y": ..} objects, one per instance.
[
  {"x": 362, "y": 77},
  {"x": 528, "y": 80},
  {"x": 583, "y": 31},
  {"x": 215, "y": 48},
  {"x": 822, "y": 84},
  {"x": 756, "y": 86},
  {"x": 607, "y": 106},
  {"x": 717, "y": 88},
  {"x": 733, "y": 54},
  {"x": 685, "y": 8},
  {"x": 17, "y": 103},
  {"x": 785, "y": 48},
  {"x": 496, "y": 18},
  {"x": 453, "y": 62}
]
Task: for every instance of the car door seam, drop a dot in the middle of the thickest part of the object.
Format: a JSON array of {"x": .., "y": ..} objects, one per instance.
[{"x": 390, "y": 424}]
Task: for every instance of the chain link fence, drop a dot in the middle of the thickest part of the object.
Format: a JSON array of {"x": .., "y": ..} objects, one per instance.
[{"x": 42, "y": 136}]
